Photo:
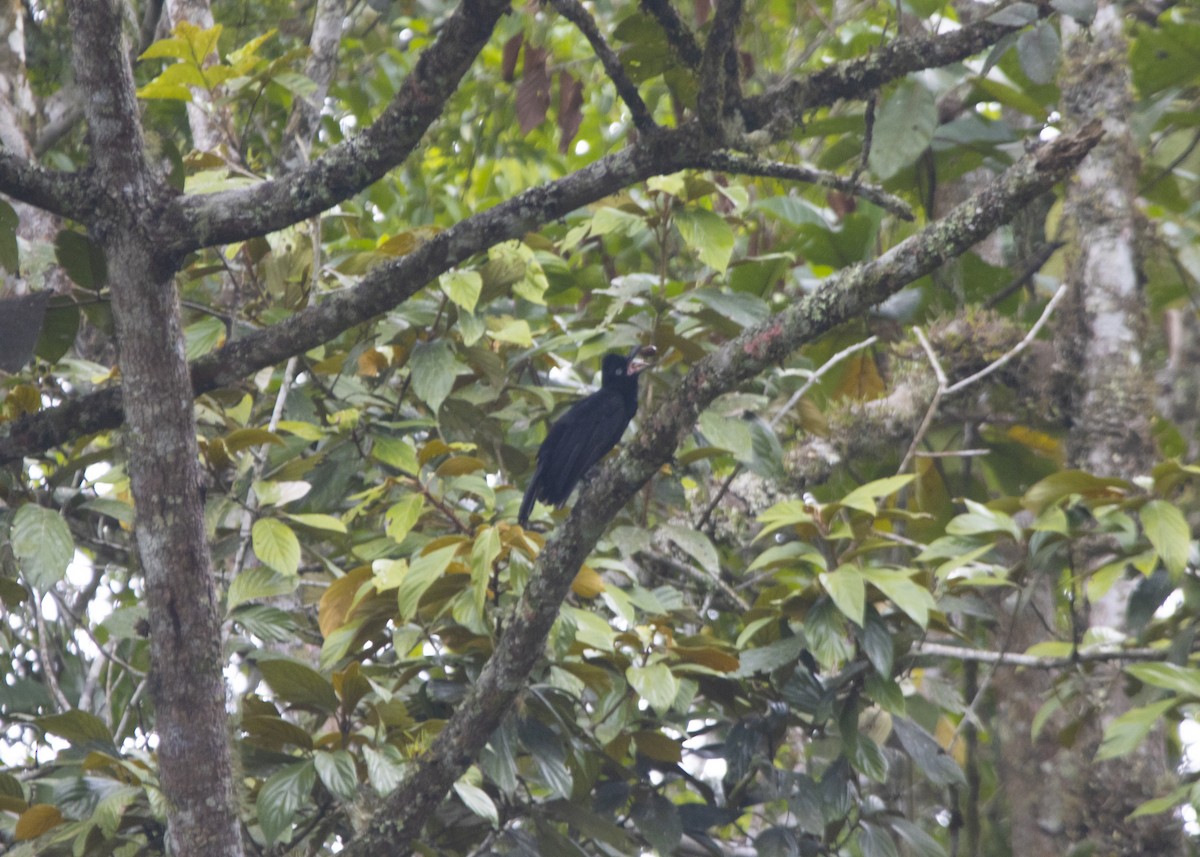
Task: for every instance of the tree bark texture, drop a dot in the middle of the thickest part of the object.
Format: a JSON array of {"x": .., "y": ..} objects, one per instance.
[
  {"x": 195, "y": 769},
  {"x": 1058, "y": 797}
]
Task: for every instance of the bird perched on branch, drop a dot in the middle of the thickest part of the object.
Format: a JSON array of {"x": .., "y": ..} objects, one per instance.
[{"x": 586, "y": 432}]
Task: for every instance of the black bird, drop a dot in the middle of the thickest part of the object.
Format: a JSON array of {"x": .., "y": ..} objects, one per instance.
[{"x": 586, "y": 432}]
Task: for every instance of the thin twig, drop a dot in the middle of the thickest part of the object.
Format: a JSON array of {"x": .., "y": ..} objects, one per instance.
[
  {"x": 944, "y": 390},
  {"x": 86, "y": 628},
  {"x": 1176, "y": 161},
  {"x": 260, "y": 460},
  {"x": 953, "y": 453},
  {"x": 1043, "y": 662},
  {"x": 698, "y": 575},
  {"x": 927, "y": 421},
  {"x": 1033, "y": 263},
  {"x": 958, "y": 386},
  {"x": 751, "y": 165},
  {"x": 44, "y": 656},
  {"x": 130, "y": 707},
  {"x": 817, "y": 375},
  {"x": 574, "y": 12}
]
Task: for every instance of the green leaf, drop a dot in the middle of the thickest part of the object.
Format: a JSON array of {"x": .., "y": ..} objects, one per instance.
[
  {"x": 904, "y": 128},
  {"x": 462, "y": 287},
  {"x": 789, "y": 513},
  {"x": 397, "y": 452},
  {"x": 337, "y": 772},
  {"x": 708, "y": 234},
  {"x": 385, "y": 767},
  {"x": 654, "y": 683},
  {"x": 657, "y": 819},
  {"x": 319, "y": 522},
  {"x": 1166, "y": 803},
  {"x": 10, "y": 258},
  {"x": 728, "y": 433},
  {"x": 272, "y": 493},
  {"x": 863, "y": 497},
  {"x": 512, "y": 330},
  {"x": 82, "y": 259},
  {"x": 403, "y": 516},
  {"x": 422, "y": 573},
  {"x": 281, "y": 797},
  {"x": 276, "y": 545},
  {"x": 433, "y": 369},
  {"x": 1183, "y": 680},
  {"x": 298, "y": 684},
  {"x": 1064, "y": 483},
  {"x": 1038, "y": 50},
  {"x": 847, "y": 588},
  {"x": 203, "y": 336},
  {"x": 607, "y": 221},
  {"x": 1128, "y": 731},
  {"x": 42, "y": 544},
  {"x": 868, "y": 759},
  {"x": 483, "y": 553},
  {"x": 980, "y": 520},
  {"x": 1015, "y": 15},
  {"x": 478, "y": 801},
  {"x": 59, "y": 329},
  {"x": 1168, "y": 532},
  {"x": 259, "y": 582},
  {"x": 77, "y": 727},
  {"x": 790, "y": 555},
  {"x": 695, "y": 544},
  {"x": 875, "y": 841},
  {"x": 934, "y": 763}
]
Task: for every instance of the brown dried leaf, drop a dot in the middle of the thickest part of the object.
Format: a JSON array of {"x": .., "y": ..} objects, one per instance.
[
  {"x": 570, "y": 116},
  {"x": 533, "y": 92},
  {"x": 508, "y": 57}
]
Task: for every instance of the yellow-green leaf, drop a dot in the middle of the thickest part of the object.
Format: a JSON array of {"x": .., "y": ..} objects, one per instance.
[{"x": 276, "y": 545}]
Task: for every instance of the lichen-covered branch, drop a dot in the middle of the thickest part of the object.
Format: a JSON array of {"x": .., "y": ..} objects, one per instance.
[
  {"x": 751, "y": 165},
  {"x": 349, "y": 167},
  {"x": 60, "y": 193}
]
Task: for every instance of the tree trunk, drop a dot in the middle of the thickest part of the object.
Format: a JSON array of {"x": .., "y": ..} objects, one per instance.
[
  {"x": 186, "y": 680},
  {"x": 1058, "y": 797}
]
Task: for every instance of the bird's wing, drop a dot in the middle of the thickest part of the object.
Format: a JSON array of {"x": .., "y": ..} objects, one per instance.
[{"x": 580, "y": 438}]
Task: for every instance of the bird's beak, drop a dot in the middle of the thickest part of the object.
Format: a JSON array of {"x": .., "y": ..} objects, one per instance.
[{"x": 641, "y": 357}]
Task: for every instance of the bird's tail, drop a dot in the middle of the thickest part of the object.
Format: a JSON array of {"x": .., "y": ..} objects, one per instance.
[{"x": 527, "y": 502}]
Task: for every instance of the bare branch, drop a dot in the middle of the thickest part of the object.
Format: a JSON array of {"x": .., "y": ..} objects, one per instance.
[
  {"x": 574, "y": 12},
  {"x": 64, "y": 194},
  {"x": 785, "y": 104},
  {"x": 1043, "y": 662},
  {"x": 751, "y": 165},
  {"x": 683, "y": 42},
  {"x": 927, "y": 421},
  {"x": 720, "y": 88},
  {"x": 959, "y": 386},
  {"x": 701, "y": 577}
]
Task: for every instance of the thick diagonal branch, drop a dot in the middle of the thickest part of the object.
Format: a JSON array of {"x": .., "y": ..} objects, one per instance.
[
  {"x": 352, "y": 166},
  {"x": 846, "y": 295}
]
